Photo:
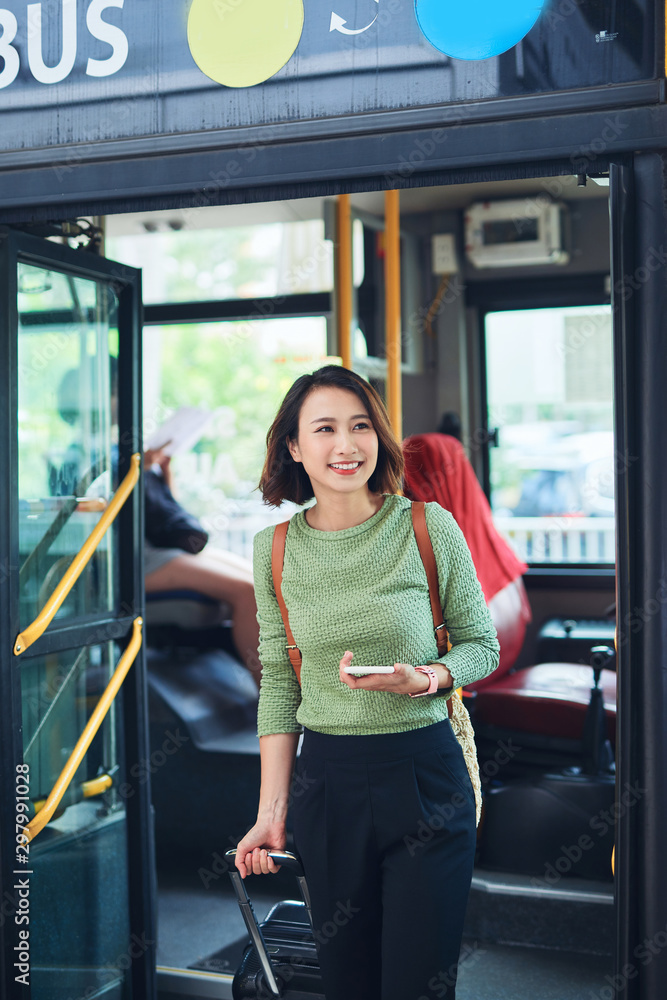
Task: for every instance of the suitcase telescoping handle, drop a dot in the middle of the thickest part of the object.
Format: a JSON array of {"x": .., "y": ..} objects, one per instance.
[{"x": 291, "y": 862}]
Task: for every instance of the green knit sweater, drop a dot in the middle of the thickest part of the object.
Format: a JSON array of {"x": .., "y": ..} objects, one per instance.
[{"x": 364, "y": 589}]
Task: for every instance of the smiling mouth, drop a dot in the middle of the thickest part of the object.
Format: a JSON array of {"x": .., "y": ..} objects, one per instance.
[{"x": 345, "y": 466}]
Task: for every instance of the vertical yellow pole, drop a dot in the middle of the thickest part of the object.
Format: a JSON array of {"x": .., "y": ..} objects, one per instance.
[
  {"x": 392, "y": 283},
  {"x": 344, "y": 278}
]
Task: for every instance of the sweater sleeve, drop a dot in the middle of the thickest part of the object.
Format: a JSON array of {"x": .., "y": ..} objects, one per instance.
[
  {"x": 475, "y": 651},
  {"x": 280, "y": 693}
]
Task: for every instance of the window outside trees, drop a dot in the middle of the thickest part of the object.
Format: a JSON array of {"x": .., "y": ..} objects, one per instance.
[
  {"x": 239, "y": 262},
  {"x": 239, "y": 371}
]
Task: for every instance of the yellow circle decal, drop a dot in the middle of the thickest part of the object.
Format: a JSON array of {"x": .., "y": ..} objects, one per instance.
[{"x": 240, "y": 43}]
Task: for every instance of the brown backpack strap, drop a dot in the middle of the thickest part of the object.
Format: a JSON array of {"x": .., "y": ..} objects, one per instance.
[
  {"x": 277, "y": 561},
  {"x": 428, "y": 558}
]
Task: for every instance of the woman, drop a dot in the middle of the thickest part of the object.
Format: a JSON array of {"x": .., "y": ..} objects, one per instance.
[{"x": 384, "y": 813}]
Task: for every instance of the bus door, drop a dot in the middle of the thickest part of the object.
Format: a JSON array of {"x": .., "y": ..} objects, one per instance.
[{"x": 75, "y": 833}]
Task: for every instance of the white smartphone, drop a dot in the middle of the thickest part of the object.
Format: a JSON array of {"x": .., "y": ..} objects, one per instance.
[{"x": 363, "y": 671}]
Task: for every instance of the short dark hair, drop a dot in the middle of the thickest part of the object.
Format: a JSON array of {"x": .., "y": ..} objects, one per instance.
[{"x": 284, "y": 479}]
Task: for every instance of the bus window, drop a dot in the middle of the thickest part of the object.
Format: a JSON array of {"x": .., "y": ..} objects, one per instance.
[
  {"x": 549, "y": 393},
  {"x": 236, "y": 262},
  {"x": 241, "y": 371}
]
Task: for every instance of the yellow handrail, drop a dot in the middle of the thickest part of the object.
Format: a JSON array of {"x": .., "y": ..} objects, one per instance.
[
  {"x": 32, "y": 633},
  {"x": 96, "y": 786},
  {"x": 89, "y": 789},
  {"x": 344, "y": 278},
  {"x": 392, "y": 310},
  {"x": 94, "y": 722}
]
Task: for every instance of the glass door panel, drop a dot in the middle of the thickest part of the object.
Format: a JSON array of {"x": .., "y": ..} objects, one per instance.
[
  {"x": 79, "y": 861},
  {"x": 70, "y": 374},
  {"x": 68, "y": 435}
]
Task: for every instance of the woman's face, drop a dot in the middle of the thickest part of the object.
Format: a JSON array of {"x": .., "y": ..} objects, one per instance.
[{"x": 337, "y": 442}]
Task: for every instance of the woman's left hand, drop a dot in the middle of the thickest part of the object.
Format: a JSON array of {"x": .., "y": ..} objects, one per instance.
[{"x": 404, "y": 680}]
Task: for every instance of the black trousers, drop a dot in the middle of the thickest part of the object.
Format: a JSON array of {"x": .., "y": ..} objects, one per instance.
[{"x": 385, "y": 826}]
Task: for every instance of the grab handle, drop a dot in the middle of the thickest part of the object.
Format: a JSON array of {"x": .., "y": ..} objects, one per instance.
[
  {"x": 291, "y": 862},
  {"x": 37, "y": 628}
]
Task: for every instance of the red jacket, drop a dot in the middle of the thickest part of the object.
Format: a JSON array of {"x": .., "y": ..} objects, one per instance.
[{"x": 436, "y": 468}]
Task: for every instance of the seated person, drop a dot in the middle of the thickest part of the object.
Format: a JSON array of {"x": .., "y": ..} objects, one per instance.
[
  {"x": 450, "y": 423},
  {"x": 221, "y": 575}
]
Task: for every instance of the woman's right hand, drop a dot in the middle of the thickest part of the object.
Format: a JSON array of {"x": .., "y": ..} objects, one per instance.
[{"x": 252, "y": 856}]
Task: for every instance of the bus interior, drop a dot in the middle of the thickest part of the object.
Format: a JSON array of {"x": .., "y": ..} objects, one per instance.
[{"x": 506, "y": 327}]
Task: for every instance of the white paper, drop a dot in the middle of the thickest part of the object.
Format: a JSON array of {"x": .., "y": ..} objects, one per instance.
[{"x": 180, "y": 431}]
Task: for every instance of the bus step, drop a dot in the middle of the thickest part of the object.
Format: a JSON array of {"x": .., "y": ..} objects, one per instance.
[{"x": 574, "y": 915}]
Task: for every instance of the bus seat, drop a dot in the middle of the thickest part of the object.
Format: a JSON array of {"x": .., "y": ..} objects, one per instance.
[
  {"x": 546, "y": 700},
  {"x": 188, "y": 609},
  {"x": 209, "y": 692},
  {"x": 187, "y": 619},
  {"x": 549, "y": 698},
  {"x": 510, "y": 611}
]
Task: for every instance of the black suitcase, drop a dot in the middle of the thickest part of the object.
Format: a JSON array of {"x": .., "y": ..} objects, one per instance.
[{"x": 281, "y": 960}]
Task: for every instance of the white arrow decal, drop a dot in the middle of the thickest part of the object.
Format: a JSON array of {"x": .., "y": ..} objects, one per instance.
[{"x": 338, "y": 24}]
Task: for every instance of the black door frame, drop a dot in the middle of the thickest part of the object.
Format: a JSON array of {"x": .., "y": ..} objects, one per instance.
[
  {"x": 126, "y": 282},
  {"x": 639, "y": 225},
  {"x": 573, "y": 132}
]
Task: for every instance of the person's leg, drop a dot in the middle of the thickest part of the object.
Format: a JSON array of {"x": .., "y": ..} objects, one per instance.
[
  {"x": 333, "y": 830},
  {"x": 424, "y": 808},
  {"x": 230, "y": 561},
  {"x": 225, "y": 579}
]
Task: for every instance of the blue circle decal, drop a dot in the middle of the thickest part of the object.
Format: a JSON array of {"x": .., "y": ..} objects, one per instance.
[{"x": 476, "y": 29}]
